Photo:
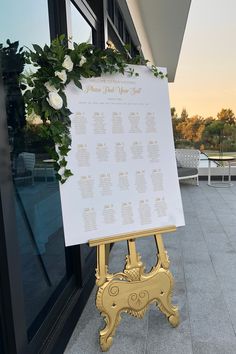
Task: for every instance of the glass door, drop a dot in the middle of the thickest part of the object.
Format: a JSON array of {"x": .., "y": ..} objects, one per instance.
[
  {"x": 37, "y": 200},
  {"x": 51, "y": 276}
]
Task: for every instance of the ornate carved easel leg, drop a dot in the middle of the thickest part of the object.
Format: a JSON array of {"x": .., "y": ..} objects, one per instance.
[
  {"x": 134, "y": 266},
  {"x": 101, "y": 271},
  {"x": 111, "y": 318},
  {"x": 133, "y": 290},
  {"x": 161, "y": 252},
  {"x": 164, "y": 301},
  {"x": 113, "y": 295}
]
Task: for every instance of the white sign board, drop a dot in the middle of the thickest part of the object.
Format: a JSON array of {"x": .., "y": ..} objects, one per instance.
[{"x": 122, "y": 158}]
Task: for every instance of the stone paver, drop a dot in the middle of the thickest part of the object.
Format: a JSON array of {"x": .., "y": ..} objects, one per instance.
[{"x": 203, "y": 262}]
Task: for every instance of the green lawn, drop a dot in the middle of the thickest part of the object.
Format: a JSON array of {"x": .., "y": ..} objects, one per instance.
[{"x": 213, "y": 153}]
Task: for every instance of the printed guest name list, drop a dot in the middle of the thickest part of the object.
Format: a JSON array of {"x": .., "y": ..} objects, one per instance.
[{"x": 122, "y": 158}]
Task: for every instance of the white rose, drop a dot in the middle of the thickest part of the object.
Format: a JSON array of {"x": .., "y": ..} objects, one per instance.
[
  {"x": 55, "y": 100},
  {"x": 49, "y": 87},
  {"x": 62, "y": 75},
  {"x": 27, "y": 88},
  {"x": 61, "y": 171},
  {"x": 82, "y": 61},
  {"x": 68, "y": 63}
]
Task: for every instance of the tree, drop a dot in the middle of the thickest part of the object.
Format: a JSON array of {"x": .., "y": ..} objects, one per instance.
[
  {"x": 192, "y": 128},
  {"x": 208, "y": 120},
  {"x": 174, "y": 117},
  {"x": 219, "y": 133},
  {"x": 173, "y": 112},
  {"x": 177, "y": 123},
  {"x": 226, "y": 116},
  {"x": 184, "y": 115},
  {"x": 213, "y": 133}
]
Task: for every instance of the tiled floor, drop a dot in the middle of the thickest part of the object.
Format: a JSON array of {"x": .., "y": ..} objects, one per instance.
[{"x": 203, "y": 262}]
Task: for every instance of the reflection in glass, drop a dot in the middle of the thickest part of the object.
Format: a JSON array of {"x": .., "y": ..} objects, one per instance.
[
  {"x": 80, "y": 29},
  {"x": 1, "y": 340},
  {"x": 38, "y": 209},
  {"x": 25, "y": 21}
]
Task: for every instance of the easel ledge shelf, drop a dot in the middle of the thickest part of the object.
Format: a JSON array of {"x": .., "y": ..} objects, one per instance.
[{"x": 131, "y": 235}]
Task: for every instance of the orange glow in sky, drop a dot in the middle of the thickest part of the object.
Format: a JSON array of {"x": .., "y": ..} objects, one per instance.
[{"x": 205, "y": 80}]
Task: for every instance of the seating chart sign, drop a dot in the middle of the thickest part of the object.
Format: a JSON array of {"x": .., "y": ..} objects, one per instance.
[{"x": 122, "y": 158}]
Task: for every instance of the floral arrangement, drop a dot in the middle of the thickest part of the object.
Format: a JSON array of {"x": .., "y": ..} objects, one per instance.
[{"x": 57, "y": 65}]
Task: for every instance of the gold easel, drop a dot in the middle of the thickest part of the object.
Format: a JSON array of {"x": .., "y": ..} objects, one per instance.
[{"x": 133, "y": 290}]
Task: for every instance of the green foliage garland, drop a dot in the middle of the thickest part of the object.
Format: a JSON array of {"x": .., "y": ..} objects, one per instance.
[{"x": 57, "y": 65}]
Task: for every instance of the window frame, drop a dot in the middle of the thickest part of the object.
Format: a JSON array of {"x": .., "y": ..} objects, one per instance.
[{"x": 56, "y": 328}]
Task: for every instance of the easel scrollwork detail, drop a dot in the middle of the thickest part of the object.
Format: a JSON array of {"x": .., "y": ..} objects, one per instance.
[{"x": 133, "y": 290}]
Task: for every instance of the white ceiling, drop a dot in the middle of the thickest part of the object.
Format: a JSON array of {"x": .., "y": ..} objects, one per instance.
[{"x": 161, "y": 23}]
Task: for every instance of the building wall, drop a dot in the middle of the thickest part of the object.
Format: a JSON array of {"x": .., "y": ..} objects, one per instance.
[
  {"x": 135, "y": 13},
  {"x": 43, "y": 285}
]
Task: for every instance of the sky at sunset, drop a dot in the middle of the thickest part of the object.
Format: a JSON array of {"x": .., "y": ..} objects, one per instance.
[{"x": 205, "y": 80}]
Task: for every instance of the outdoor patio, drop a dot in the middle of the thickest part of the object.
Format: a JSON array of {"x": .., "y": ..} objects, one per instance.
[{"x": 203, "y": 262}]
